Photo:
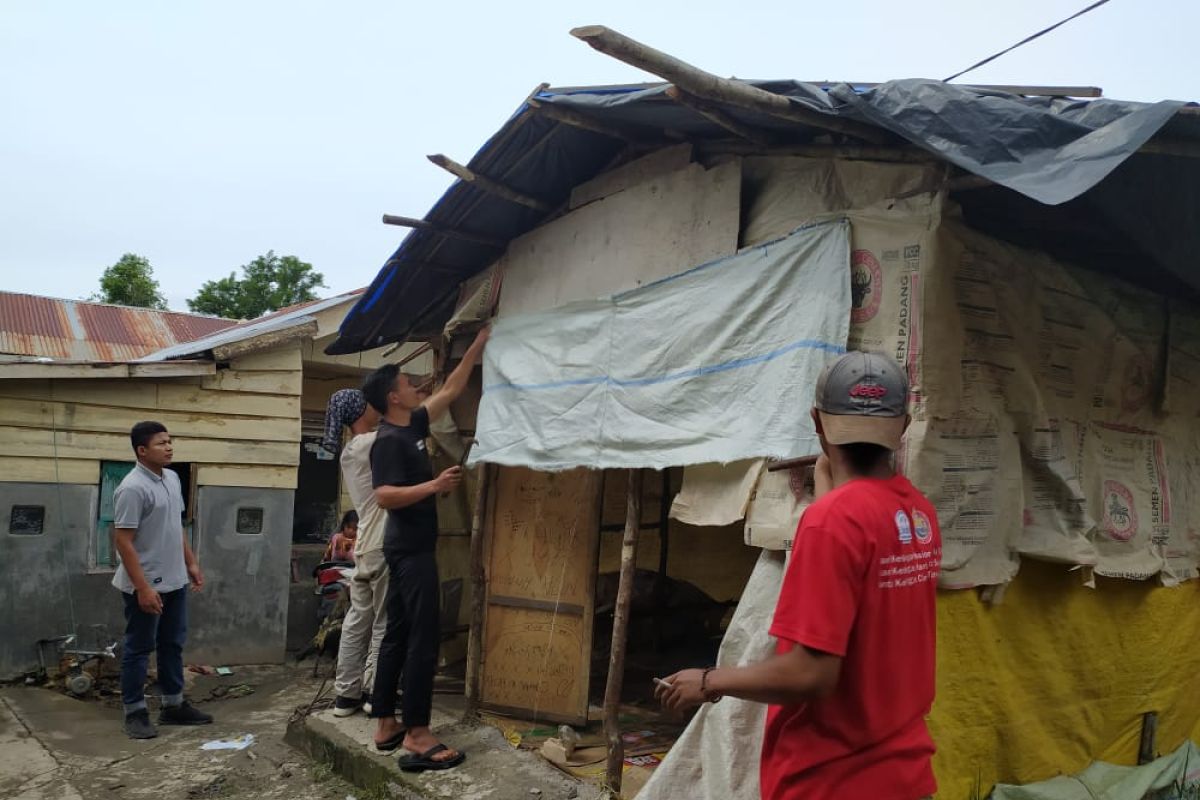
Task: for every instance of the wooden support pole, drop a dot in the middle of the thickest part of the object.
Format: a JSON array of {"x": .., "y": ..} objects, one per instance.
[
  {"x": 478, "y": 590},
  {"x": 442, "y": 230},
  {"x": 962, "y": 183},
  {"x": 1146, "y": 747},
  {"x": 726, "y": 121},
  {"x": 488, "y": 185},
  {"x": 707, "y": 86},
  {"x": 616, "y": 661}
]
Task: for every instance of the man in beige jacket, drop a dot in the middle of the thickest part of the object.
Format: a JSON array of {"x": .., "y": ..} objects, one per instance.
[{"x": 365, "y": 622}]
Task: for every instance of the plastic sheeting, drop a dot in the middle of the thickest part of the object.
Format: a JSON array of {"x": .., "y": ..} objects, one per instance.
[
  {"x": 1102, "y": 781},
  {"x": 717, "y": 756},
  {"x": 641, "y": 380},
  {"x": 1049, "y": 148}
]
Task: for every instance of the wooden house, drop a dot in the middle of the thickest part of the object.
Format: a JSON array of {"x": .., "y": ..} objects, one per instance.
[{"x": 244, "y": 403}]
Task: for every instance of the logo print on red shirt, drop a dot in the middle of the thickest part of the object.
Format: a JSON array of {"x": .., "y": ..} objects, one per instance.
[
  {"x": 923, "y": 529},
  {"x": 903, "y": 528}
]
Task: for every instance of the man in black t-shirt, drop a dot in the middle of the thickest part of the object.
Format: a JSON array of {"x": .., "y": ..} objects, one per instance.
[{"x": 405, "y": 486}]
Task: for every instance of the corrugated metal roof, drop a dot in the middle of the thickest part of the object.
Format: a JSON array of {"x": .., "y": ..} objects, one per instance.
[
  {"x": 280, "y": 320},
  {"x": 49, "y": 327}
]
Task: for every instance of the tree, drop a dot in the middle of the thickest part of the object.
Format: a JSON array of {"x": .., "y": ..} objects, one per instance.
[
  {"x": 268, "y": 283},
  {"x": 130, "y": 282}
]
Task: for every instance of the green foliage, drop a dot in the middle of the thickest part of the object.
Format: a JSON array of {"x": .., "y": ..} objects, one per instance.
[
  {"x": 130, "y": 282},
  {"x": 268, "y": 283}
]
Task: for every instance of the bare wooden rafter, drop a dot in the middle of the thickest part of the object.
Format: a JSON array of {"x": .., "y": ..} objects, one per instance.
[
  {"x": 488, "y": 185},
  {"x": 442, "y": 230},
  {"x": 588, "y": 122},
  {"x": 725, "y": 120}
]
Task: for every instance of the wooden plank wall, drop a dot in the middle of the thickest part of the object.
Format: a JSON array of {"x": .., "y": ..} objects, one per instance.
[{"x": 239, "y": 427}]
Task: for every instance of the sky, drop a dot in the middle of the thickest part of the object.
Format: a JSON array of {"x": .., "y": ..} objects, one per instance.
[{"x": 203, "y": 134}]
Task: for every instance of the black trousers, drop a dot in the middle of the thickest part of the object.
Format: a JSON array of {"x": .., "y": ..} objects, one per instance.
[{"x": 411, "y": 639}]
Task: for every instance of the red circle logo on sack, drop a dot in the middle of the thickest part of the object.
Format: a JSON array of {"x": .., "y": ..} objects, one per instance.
[
  {"x": 1136, "y": 384},
  {"x": 922, "y": 527},
  {"x": 1120, "y": 520},
  {"x": 866, "y": 286}
]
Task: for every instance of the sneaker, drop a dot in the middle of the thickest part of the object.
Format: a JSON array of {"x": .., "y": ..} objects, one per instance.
[
  {"x": 345, "y": 706},
  {"x": 137, "y": 725},
  {"x": 366, "y": 704},
  {"x": 185, "y": 714}
]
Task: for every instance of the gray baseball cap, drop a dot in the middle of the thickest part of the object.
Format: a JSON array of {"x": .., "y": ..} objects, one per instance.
[{"x": 863, "y": 397}]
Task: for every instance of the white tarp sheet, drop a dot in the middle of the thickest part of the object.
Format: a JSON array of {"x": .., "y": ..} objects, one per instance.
[{"x": 714, "y": 364}]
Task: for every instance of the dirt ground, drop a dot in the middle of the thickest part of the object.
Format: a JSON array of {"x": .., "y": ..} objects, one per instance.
[{"x": 55, "y": 747}]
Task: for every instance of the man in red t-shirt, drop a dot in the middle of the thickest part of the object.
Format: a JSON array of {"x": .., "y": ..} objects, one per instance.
[{"x": 852, "y": 679}]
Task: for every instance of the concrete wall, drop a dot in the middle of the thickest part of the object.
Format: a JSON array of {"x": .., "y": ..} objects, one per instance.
[
  {"x": 239, "y": 618},
  {"x": 42, "y": 577}
]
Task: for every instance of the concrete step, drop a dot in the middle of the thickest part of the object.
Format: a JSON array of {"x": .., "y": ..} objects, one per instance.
[{"x": 493, "y": 770}]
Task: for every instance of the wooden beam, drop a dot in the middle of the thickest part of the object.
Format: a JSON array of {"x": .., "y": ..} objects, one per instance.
[
  {"x": 1159, "y": 146},
  {"x": 587, "y": 122},
  {"x": 1027, "y": 91},
  {"x": 714, "y": 114},
  {"x": 172, "y": 369},
  {"x": 900, "y": 153},
  {"x": 789, "y": 463},
  {"x": 616, "y": 661},
  {"x": 265, "y": 341},
  {"x": 711, "y": 87},
  {"x": 78, "y": 369},
  {"x": 1146, "y": 745},
  {"x": 488, "y": 185},
  {"x": 478, "y": 574},
  {"x": 1040, "y": 91},
  {"x": 961, "y": 183},
  {"x": 63, "y": 370},
  {"x": 442, "y": 230}
]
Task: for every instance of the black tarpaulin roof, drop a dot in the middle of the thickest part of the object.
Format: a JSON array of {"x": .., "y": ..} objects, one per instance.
[{"x": 1064, "y": 180}]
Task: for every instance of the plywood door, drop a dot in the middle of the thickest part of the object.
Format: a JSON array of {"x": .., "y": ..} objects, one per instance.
[{"x": 541, "y": 560}]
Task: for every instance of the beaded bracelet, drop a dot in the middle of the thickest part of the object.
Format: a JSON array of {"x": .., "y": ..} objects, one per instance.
[{"x": 711, "y": 697}]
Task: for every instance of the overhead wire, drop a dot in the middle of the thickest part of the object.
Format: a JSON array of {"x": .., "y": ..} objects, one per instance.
[{"x": 1026, "y": 40}]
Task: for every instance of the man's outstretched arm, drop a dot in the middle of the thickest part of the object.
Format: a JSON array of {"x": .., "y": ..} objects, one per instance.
[{"x": 440, "y": 400}]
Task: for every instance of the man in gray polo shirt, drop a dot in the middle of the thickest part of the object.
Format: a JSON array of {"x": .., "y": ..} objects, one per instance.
[{"x": 157, "y": 564}]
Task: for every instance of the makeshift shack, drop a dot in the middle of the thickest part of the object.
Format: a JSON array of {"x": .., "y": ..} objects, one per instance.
[{"x": 662, "y": 255}]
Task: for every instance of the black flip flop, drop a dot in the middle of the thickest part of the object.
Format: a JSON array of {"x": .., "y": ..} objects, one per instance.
[
  {"x": 390, "y": 744},
  {"x": 419, "y": 763}
]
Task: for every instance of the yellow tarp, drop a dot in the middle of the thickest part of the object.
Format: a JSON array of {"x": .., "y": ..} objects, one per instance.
[{"x": 1059, "y": 675}]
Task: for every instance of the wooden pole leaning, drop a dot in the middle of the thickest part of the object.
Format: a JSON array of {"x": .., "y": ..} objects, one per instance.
[
  {"x": 707, "y": 86},
  {"x": 478, "y": 573},
  {"x": 616, "y": 661}
]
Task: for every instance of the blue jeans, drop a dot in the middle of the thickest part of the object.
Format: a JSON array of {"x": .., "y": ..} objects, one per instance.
[{"x": 148, "y": 633}]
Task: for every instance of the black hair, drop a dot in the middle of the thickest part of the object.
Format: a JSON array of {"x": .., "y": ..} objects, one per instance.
[
  {"x": 143, "y": 432},
  {"x": 377, "y": 385},
  {"x": 864, "y": 457},
  {"x": 349, "y": 518}
]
